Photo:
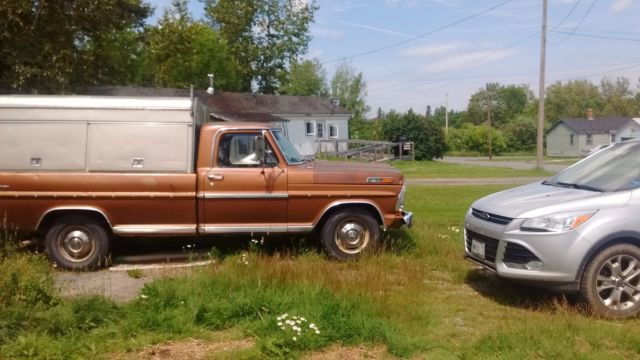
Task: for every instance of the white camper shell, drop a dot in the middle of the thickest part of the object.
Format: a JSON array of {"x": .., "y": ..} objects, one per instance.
[{"x": 97, "y": 133}]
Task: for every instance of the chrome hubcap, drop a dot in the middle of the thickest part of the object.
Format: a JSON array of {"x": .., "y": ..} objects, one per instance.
[
  {"x": 618, "y": 282},
  {"x": 76, "y": 244},
  {"x": 351, "y": 236}
]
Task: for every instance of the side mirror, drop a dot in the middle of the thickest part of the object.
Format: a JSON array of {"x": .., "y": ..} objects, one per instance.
[{"x": 260, "y": 146}]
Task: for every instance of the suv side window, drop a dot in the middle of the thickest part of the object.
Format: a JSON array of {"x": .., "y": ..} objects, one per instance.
[{"x": 238, "y": 150}]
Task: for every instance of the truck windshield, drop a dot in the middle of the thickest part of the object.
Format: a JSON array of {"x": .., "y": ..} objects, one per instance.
[
  {"x": 288, "y": 150},
  {"x": 615, "y": 168}
]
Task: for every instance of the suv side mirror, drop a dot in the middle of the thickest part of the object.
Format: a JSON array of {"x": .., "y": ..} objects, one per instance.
[{"x": 260, "y": 146}]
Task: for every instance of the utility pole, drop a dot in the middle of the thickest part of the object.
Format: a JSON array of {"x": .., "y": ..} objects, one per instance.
[
  {"x": 543, "y": 46},
  {"x": 489, "y": 120},
  {"x": 446, "y": 113}
]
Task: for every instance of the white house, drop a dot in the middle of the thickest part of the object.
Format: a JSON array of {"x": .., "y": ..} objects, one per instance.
[
  {"x": 304, "y": 119},
  {"x": 575, "y": 137}
]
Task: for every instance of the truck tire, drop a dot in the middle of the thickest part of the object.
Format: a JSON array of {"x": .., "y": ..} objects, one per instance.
[
  {"x": 78, "y": 243},
  {"x": 610, "y": 284},
  {"x": 349, "y": 233}
]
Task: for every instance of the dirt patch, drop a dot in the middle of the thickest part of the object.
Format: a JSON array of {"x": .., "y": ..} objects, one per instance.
[
  {"x": 351, "y": 353},
  {"x": 187, "y": 349}
]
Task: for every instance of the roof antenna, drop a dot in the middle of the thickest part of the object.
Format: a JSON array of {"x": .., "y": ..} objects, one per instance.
[
  {"x": 334, "y": 102},
  {"x": 210, "y": 89}
]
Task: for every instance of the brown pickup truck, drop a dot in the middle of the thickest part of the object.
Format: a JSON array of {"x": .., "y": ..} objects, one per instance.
[{"x": 79, "y": 170}]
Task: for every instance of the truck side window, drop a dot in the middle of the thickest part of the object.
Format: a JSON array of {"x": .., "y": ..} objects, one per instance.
[{"x": 238, "y": 150}]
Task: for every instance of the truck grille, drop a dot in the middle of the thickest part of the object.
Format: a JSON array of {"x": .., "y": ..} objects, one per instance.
[
  {"x": 497, "y": 219},
  {"x": 490, "y": 245},
  {"x": 518, "y": 254}
]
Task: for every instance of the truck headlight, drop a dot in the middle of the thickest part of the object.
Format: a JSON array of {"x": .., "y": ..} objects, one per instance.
[
  {"x": 557, "y": 222},
  {"x": 400, "y": 201}
]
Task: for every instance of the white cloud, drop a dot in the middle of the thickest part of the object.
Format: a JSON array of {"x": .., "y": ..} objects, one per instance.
[
  {"x": 469, "y": 59},
  {"x": 619, "y": 5},
  {"x": 321, "y": 31},
  {"x": 371, "y": 28},
  {"x": 432, "y": 49}
]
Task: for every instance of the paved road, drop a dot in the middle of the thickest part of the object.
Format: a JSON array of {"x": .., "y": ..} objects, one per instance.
[{"x": 514, "y": 164}]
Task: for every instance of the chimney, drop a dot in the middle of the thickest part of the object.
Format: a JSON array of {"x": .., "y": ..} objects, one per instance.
[{"x": 590, "y": 114}]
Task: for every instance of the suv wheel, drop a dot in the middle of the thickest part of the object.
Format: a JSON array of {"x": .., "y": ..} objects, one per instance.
[{"x": 611, "y": 282}]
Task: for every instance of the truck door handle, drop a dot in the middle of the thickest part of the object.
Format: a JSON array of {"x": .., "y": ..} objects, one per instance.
[{"x": 215, "y": 177}]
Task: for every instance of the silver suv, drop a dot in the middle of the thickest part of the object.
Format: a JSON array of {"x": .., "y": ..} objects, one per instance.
[{"x": 576, "y": 232}]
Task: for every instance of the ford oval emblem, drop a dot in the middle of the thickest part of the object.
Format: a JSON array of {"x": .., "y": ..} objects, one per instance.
[{"x": 485, "y": 216}]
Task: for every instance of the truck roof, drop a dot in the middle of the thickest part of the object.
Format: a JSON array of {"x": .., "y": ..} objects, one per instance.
[{"x": 94, "y": 102}]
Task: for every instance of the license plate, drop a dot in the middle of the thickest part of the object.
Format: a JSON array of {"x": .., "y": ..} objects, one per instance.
[{"x": 477, "y": 248}]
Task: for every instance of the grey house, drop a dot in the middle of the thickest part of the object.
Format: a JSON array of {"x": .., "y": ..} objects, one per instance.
[
  {"x": 575, "y": 137},
  {"x": 304, "y": 119}
]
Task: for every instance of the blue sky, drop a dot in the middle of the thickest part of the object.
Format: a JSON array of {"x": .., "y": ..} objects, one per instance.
[{"x": 501, "y": 45}]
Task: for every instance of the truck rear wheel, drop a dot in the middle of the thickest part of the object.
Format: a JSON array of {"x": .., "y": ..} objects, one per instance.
[
  {"x": 78, "y": 243},
  {"x": 611, "y": 282},
  {"x": 349, "y": 233}
]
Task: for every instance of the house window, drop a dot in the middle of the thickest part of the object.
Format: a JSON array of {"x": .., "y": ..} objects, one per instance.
[
  {"x": 571, "y": 139},
  {"x": 320, "y": 130},
  {"x": 311, "y": 128},
  {"x": 613, "y": 138},
  {"x": 589, "y": 139},
  {"x": 333, "y": 131}
]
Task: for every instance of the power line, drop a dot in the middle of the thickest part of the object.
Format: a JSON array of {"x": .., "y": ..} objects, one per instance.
[
  {"x": 579, "y": 23},
  {"x": 431, "y": 32},
  {"x": 575, "y": 5},
  {"x": 596, "y": 36}
]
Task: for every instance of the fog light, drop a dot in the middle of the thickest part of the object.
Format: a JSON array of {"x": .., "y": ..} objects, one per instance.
[{"x": 533, "y": 265}]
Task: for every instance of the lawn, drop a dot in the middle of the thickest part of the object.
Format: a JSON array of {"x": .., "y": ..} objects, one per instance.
[
  {"x": 437, "y": 169},
  {"x": 418, "y": 299}
]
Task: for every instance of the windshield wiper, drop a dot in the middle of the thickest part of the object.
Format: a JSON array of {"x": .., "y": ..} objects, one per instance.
[{"x": 578, "y": 186}]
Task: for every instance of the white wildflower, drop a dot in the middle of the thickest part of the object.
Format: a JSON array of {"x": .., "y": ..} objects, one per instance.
[
  {"x": 295, "y": 338},
  {"x": 143, "y": 296}
]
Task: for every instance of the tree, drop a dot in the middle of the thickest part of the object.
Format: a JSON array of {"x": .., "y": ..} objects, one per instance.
[
  {"x": 265, "y": 37},
  {"x": 474, "y": 138},
  {"x": 571, "y": 100},
  {"x": 617, "y": 97},
  {"x": 306, "y": 78},
  {"x": 351, "y": 90},
  {"x": 520, "y": 134},
  {"x": 53, "y": 46},
  {"x": 182, "y": 52},
  {"x": 427, "y": 136},
  {"x": 504, "y": 103}
]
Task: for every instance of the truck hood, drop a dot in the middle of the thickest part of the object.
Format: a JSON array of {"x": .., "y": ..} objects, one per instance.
[
  {"x": 538, "y": 199},
  {"x": 338, "y": 172}
]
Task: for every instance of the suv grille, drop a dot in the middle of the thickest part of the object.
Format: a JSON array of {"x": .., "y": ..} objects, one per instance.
[
  {"x": 518, "y": 254},
  {"x": 490, "y": 245},
  {"x": 497, "y": 219}
]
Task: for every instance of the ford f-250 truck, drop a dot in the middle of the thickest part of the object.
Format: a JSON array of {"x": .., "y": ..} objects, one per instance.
[{"x": 77, "y": 171}]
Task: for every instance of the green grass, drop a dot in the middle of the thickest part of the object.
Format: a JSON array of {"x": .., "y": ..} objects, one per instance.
[
  {"x": 419, "y": 298},
  {"x": 437, "y": 169}
]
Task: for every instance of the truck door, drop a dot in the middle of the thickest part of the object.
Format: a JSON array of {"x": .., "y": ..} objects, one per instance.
[{"x": 240, "y": 194}]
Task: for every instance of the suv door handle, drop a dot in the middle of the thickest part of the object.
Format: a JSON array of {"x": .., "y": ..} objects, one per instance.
[{"x": 215, "y": 177}]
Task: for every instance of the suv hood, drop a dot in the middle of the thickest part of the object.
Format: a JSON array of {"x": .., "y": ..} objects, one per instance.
[
  {"x": 340, "y": 172},
  {"x": 537, "y": 199}
]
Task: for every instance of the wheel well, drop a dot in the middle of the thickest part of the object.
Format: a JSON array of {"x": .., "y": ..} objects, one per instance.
[
  {"x": 631, "y": 240},
  {"x": 369, "y": 208},
  {"x": 51, "y": 217}
]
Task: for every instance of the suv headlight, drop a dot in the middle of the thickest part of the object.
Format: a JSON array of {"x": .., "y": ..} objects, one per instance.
[
  {"x": 400, "y": 201},
  {"x": 557, "y": 222}
]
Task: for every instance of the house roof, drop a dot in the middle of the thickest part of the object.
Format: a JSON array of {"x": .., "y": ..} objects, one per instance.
[
  {"x": 594, "y": 126},
  {"x": 247, "y": 117},
  {"x": 244, "y": 103}
]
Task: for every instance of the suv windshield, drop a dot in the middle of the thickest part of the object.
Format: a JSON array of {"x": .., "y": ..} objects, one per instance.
[
  {"x": 615, "y": 168},
  {"x": 288, "y": 150}
]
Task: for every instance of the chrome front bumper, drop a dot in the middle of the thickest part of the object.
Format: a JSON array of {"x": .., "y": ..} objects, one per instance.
[{"x": 407, "y": 216}]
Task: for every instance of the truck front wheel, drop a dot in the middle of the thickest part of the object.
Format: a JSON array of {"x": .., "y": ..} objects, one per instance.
[
  {"x": 77, "y": 243},
  {"x": 349, "y": 233}
]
